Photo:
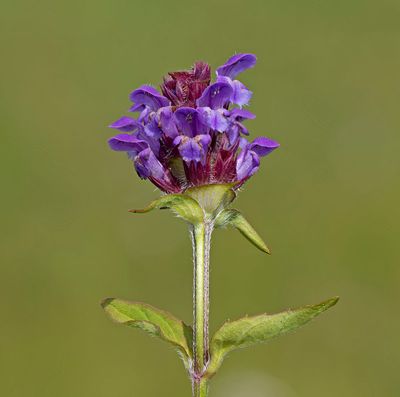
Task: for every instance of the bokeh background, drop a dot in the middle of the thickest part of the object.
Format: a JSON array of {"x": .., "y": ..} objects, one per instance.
[{"x": 326, "y": 86}]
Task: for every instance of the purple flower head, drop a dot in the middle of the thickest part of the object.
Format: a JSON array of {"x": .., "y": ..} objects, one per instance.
[{"x": 192, "y": 133}]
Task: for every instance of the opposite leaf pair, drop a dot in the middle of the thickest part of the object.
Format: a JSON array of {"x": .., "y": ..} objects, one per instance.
[{"x": 233, "y": 335}]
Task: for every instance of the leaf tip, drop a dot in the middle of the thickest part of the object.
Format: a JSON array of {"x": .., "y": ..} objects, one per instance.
[
  {"x": 265, "y": 249},
  {"x": 325, "y": 305},
  {"x": 135, "y": 211},
  {"x": 104, "y": 303},
  {"x": 332, "y": 302}
]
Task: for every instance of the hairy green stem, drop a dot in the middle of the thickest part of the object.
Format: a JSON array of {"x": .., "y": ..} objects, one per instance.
[
  {"x": 200, "y": 389},
  {"x": 201, "y": 237}
]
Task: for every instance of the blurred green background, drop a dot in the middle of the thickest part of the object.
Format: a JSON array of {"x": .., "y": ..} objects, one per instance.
[{"x": 326, "y": 87}]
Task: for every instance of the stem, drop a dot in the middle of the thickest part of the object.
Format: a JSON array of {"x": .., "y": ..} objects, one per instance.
[
  {"x": 201, "y": 237},
  {"x": 200, "y": 389}
]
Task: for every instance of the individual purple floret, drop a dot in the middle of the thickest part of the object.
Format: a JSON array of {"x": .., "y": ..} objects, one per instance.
[{"x": 193, "y": 134}]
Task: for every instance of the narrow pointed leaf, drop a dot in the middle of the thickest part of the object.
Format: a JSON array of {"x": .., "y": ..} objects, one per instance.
[
  {"x": 232, "y": 217},
  {"x": 181, "y": 204},
  {"x": 155, "y": 322},
  {"x": 249, "y": 331}
]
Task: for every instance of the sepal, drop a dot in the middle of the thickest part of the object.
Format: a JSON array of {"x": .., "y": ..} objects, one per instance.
[
  {"x": 249, "y": 331},
  {"x": 155, "y": 322},
  {"x": 232, "y": 217}
]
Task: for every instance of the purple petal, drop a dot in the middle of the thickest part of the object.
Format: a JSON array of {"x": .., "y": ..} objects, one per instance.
[
  {"x": 190, "y": 150},
  {"x": 151, "y": 134},
  {"x": 215, "y": 95},
  {"x": 242, "y": 128},
  {"x": 127, "y": 143},
  {"x": 237, "y": 64},
  {"x": 241, "y": 114},
  {"x": 147, "y": 164},
  {"x": 214, "y": 119},
  {"x": 189, "y": 122},
  {"x": 141, "y": 170},
  {"x": 139, "y": 107},
  {"x": 167, "y": 121},
  {"x": 203, "y": 140},
  {"x": 178, "y": 140},
  {"x": 149, "y": 96},
  {"x": 241, "y": 95},
  {"x": 243, "y": 143},
  {"x": 247, "y": 164},
  {"x": 152, "y": 130},
  {"x": 145, "y": 114},
  {"x": 233, "y": 134},
  {"x": 263, "y": 146},
  {"x": 193, "y": 149},
  {"x": 126, "y": 124}
]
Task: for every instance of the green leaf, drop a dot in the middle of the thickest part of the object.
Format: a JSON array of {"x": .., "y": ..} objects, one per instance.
[
  {"x": 181, "y": 204},
  {"x": 232, "y": 217},
  {"x": 249, "y": 331},
  {"x": 157, "y": 323}
]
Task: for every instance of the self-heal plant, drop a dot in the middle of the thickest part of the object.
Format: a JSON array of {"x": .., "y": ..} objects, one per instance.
[{"x": 190, "y": 142}]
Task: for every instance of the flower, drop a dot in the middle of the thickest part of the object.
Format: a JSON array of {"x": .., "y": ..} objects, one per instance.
[{"x": 193, "y": 134}]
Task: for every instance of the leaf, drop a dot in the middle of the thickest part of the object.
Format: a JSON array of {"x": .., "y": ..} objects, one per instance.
[
  {"x": 249, "y": 331},
  {"x": 232, "y": 217},
  {"x": 157, "y": 323},
  {"x": 181, "y": 204}
]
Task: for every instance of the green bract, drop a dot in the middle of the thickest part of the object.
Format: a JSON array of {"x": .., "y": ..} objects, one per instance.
[
  {"x": 197, "y": 204},
  {"x": 209, "y": 204},
  {"x": 232, "y": 217},
  {"x": 181, "y": 204}
]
